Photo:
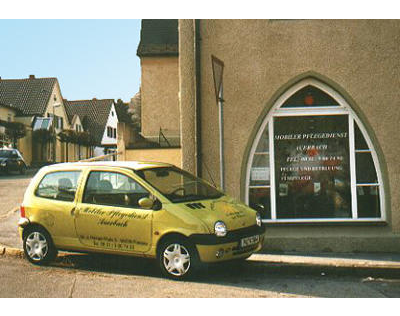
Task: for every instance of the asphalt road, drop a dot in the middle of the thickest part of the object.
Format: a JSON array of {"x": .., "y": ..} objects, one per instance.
[
  {"x": 78, "y": 275},
  {"x": 114, "y": 276},
  {"x": 12, "y": 189}
]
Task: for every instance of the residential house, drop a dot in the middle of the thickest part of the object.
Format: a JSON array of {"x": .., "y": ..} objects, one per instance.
[
  {"x": 38, "y": 104},
  {"x": 100, "y": 118},
  {"x": 309, "y": 131}
]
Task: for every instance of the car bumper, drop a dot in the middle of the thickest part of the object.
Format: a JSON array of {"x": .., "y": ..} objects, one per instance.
[{"x": 216, "y": 249}]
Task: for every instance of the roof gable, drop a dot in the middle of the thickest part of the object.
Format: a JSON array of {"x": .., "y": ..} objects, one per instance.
[
  {"x": 29, "y": 96},
  {"x": 158, "y": 38},
  {"x": 93, "y": 114}
]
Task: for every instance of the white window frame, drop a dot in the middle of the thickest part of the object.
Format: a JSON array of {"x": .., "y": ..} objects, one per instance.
[{"x": 342, "y": 109}]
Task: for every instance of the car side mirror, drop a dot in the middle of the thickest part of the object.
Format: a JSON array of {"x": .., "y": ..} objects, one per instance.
[{"x": 146, "y": 203}]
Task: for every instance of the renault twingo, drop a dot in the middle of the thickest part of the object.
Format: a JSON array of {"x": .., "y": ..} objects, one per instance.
[{"x": 141, "y": 209}]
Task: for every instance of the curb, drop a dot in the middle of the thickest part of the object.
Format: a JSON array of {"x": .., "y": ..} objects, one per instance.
[
  {"x": 321, "y": 262},
  {"x": 12, "y": 252}
]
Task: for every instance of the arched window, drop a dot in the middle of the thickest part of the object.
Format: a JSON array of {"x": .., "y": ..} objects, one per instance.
[{"x": 312, "y": 160}]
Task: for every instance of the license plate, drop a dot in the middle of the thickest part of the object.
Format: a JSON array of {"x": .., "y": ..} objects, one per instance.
[{"x": 248, "y": 241}]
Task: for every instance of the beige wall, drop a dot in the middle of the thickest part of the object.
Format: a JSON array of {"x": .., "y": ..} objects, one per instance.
[
  {"x": 25, "y": 146},
  {"x": 59, "y": 111},
  {"x": 359, "y": 58},
  {"x": 125, "y": 136},
  {"x": 5, "y": 112},
  {"x": 159, "y": 92},
  {"x": 168, "y": 155},
  {"x": 187, "y": 95}
]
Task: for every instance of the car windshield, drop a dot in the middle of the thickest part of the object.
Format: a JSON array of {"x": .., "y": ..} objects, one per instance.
[
  {"x": 5, "y": 153},
  {"x": 178, "y": 185}
]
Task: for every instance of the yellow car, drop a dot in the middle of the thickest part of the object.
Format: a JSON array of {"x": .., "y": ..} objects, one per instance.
[{"x": 144, "y": 209}]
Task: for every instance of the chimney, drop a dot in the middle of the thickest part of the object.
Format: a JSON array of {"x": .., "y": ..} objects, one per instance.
[{"x": 31, "y": 76}]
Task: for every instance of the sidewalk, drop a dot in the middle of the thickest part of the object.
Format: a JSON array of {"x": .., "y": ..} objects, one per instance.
[{"x": 11, "y": 243}]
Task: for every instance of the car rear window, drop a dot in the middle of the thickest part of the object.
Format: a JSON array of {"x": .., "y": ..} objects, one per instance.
[{"x": 59, "y": 185}]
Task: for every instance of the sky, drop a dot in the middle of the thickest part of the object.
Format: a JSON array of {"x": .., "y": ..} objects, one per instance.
[{"x": 90, "y": 58}]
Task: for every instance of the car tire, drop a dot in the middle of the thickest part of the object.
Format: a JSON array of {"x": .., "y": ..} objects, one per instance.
[
  {"x": 38, "y": 246},
  {"x": 178, "y": 259}
]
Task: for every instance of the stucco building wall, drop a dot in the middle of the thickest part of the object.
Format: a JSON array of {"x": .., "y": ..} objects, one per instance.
[
  {"x": 360, "y": 59},
  {"x": 159, "y": 91}
]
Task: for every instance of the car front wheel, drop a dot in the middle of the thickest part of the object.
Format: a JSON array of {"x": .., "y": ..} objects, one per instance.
[{"x": 178, "y": 259}]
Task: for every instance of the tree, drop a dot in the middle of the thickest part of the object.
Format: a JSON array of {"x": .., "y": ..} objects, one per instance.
[
  {"x": 42, "y": 136},
  {"x": 135, "y": 109},
  {"x": 84, "y": 139},
  {"x": 15, "y": 131},
  {"x": 67, "y": 136}
]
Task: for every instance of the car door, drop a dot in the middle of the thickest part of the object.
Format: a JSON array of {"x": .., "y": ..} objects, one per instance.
[
  {"x": 13, "y": 161},
  {"x": 109, "y": 216},
  {"x": 55, "y": 201}
]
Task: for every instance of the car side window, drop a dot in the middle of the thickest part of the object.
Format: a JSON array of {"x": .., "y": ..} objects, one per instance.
[
  {"x": 59, "y": 185},
  {"x": 114, "y": 189}
]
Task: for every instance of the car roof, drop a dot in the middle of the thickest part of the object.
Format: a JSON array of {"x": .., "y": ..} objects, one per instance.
[
  {"x": 10, "y": 149},
  {"x": 135, "y": 165}
]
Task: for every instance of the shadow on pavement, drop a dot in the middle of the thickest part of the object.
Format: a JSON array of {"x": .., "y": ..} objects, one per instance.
[{"x": 221, "y": 273}]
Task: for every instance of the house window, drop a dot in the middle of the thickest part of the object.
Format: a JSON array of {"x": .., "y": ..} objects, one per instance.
[
  {"x": 61, "y": 123},
  {"x": 111, "y": 132},
  {"x": 312, "y": 160},
  {"x": 41, "y": 123}
]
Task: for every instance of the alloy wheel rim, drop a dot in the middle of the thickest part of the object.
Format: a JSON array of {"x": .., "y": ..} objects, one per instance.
[
  {"x": 176, "y": 259},
  {"x": 36, "y": 246}
]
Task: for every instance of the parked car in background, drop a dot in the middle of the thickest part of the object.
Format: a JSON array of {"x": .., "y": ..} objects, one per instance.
[{"x": 11, "y": 160}]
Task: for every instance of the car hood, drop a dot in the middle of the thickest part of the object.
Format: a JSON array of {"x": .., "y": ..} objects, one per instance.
[
  {"x": 234, "y": 214},
  {"x": 3, "y": 159}
]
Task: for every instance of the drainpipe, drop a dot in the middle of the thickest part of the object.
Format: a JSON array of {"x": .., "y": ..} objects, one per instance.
[{"x": 197, "y": 40}]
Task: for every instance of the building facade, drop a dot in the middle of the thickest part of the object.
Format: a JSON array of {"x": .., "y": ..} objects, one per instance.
[
  {"x": 309, "y": 126},
  {"x": 100, "y": 119},
  {"x": 38, "y": 104}
]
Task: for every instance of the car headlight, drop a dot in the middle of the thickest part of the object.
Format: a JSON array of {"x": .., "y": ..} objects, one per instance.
[
  {"x": 258, "y": 219},
  {"x": 3, "y": 164},
  {"x": 220, "y": 229}
]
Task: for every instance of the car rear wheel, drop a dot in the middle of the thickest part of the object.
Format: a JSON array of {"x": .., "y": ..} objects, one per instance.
[
  {"x": 38, "y": 246},
  {"x": 178, "y": 259}
]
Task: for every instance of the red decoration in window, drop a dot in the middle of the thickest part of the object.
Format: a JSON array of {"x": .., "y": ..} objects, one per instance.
[{"x": 309, "y": 99}]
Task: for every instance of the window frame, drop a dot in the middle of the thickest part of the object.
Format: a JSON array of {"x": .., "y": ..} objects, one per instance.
[
  {"x": 111, "y": 205},
  {"x": 60, "y": 171},
  {"x": 342, "y": 109}
]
